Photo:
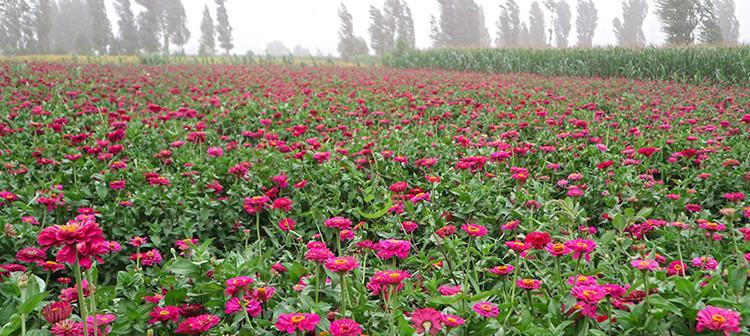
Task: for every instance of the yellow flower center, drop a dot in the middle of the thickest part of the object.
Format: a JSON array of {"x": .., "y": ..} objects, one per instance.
[
  {"x": 340, "y": 261},
  {"x": 69, "y": 228},
  {"x": 528, "y": 282},
  {"x": 558, "y": 247},
  {"x": 718, "y": 318},
  {"x": 164, "y": 313},
  {"x": 473, "y": 229},
  {"x": 643, "y": 263},
  {"x": 298, "y": 318},
  {"x": 485, "y": 307}
]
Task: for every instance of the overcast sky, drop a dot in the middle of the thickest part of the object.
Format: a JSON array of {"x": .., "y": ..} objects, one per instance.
[{"x": 314, "y": 24}]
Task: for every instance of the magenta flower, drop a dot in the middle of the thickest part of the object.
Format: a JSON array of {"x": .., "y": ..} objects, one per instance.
[
  {"x": 581, "y": 247},
  {"x": 718, "y": 319},
  {"x": 198, "y": 324},
  {"x": 486, "y": 309},
  {"x": 163, "y": 314},
  {"x": 645, "y": 265},
  {"x": 427, "y": 321},
  {"x": 340, "y": 223},
  {"x": 474, "y": 230},
  {"x": 343, "y": 264},
  {"x": 388, "y": 248},
  {"x": 345, "y": 327},
  {"x": 529, "y": 284},
  {"x": 238, "y": 284},
  {"x": 290, "y": 323},
  {"x": 588, "y": 294}
]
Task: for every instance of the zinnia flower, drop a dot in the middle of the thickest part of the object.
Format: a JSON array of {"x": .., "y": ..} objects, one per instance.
[
  {"x": 538, "y": 240},
  {"x": 80, "y": 240},
  {"x": 388, "y": 248},
  {"x": 342, "y": 264},
  {"x": 427, "y": 321},
  {"x": 581, "y": 247},
  {"x": 237, "y": 284},
  {"x": 645, "y": 265},
  {"x": 67, "y": 328},
  {"x": 474, "y": 230},
  {"x": 290, "y": 323},
  {"x": 198, "y": 324},
  {"x": 57, "y": 311},
  {"x": 163, "y": 314},
  {"x": 452, "y": 321},
  {"x": 529, "y": 284},
  {"x": 340, "y": 223},
  {"x": 486, "y": 309},
  {"x": 345, "y": 327},
  {"x": 718, "y": 319}
]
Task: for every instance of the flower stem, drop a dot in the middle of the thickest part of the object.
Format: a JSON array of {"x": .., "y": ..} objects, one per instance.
[
  {"x": 92, "y": 298},
  {"x": 244, "y": 308},
  {"x": 645, "y": 298},
  {"x": 81, "y": 300},
  {"x": 343, "y": 294},
  {"x": 257, "y": 223}
]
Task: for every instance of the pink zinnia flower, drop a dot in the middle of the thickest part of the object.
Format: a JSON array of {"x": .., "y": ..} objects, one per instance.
[
  {"x": 528, "y": 284},
  {"x": 345, "y": 327},
  {"x": 645, "y": 265},
  {"x": 340, "y": 223},
  {"x": 676, "y": 268},
  {"x": 31, "y": 255},
  {"x": 537, "y": 240},
  {"x": 234, "y": 305},
  {"x": 255, "y": 204},
  {"x": 502, "y": 269},
  {"x": 452, "y": 321},
  {"x": 581, "y": 247},
  {"x": 474, "y": 230},
  {"x": 486, "y": 309},
  {"x": 718, "y": 319},
  {"x": 163, "y": 314},
  {"x": 287, "y": 224},
  {"x": 80, "y": 240},
  {"x": 557, "y": 249},
  {"x": 343, "y": 264},
  {"x": 588, "y": 294},
  {"x": 446, "y": 290},
  {"x": 705, "y": 263},
  {"x": 57, "y": 311},
  {"x": 198, "y": 324},
  {"x": 67, "y": 328},
  {"x": 290, "y": 323},
  {"x": 237, "y": 284},
  {"x": 427, "y": 321},
  {"x": 388, "y": 248}
]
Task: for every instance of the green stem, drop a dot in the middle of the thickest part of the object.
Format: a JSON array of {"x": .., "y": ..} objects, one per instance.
[
  {"x": 513, "y": 285},
  {"x": 559, "y": 276},
  {"x": 645, "y": 298},
  {"x": 81, "y": 299},
  {"x": 343, "y": 294},
  {"x": 257, "y": 224},
  {"x": 244, "y": 308},
  {"x": 92, "y": 298}
]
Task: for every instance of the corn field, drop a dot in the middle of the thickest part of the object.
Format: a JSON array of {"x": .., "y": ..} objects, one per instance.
[{"x": 728, "y": 65}]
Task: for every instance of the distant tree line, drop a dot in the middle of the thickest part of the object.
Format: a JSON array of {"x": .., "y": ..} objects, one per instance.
[
  {"x": 461, "y": 24},
  {"x": 83, "y": 27}
]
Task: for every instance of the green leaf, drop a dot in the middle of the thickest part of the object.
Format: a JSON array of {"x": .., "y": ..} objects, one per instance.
[
  {"x": 31, "y": 303},
  {"x": 11, "y": 326},
  {"x": 619, "y": 222},
  {"x": 183, "y": 267},
  {"x": 175, "y": 297},
  {"x": 737, "y": 277},
  {"x": 684, "y": 287}
]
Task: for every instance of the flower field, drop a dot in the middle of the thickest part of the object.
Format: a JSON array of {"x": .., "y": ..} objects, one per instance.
[{"x": 344, "y": 201}]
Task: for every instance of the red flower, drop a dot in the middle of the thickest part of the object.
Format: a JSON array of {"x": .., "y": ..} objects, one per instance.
[
  {"x": 81, "y": 240},
  {"x": 538, "y": 240}
]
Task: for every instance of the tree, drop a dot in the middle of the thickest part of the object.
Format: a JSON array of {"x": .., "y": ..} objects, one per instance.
[
  {"x": 223, "y": 28},
  {"x": 277, "y": 48},
  {"x": 629, "y": 30},
  {"x": 127, "y": 42},
  {"x": 150, "y": 26},
  {"x": 101, "y": 30},
  {"x": 484, "y": 35},
  {"x": 377, "y": 30},
  {"x": 561, "y": 21},
  {"x": 392, "y": 28},
  {"x": 406, "y": 38},
  {"x": 730, "y": 27},
  {"x": 710, "y": 31},
  {"x": 16, "y": 27},
  {"x": 349, "y": 45},
  {"x": 509, "y": 25},
  {"x": 70, "y": 32},
  {"x": 44, "y": 12},
  {"x": 679, "y": 19},
  {"x": 300, "y": 51},
  {"x": 586, "y": 22},
  {"x": 460, "y": 24},
  {"x": 176, "y": 20},
  {"x": 537, "y": 30},
  {"x": 208, "y": 35}
]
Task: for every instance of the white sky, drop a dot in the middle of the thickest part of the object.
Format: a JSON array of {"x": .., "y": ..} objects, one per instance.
[{"x": 314, "y": 24}]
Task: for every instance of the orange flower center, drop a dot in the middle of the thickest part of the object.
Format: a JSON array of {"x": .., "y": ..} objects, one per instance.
[
  {"x": 485, "y": 307},
  {"x": 718, "y": 318},
  {"x": 582, "y": 278},
  {"x": 298, "y": 318},
  {"x": 588, "y": 293},
  {"x": 528, "y": 282},
  {"x": 394, "y": 276},
  {"x": 558, "y": 247},
  {"x": 473, "y": 229},
  {"x": 643, "y": 263},
  {"x": 581, "y": 245},
  {"x": 678, "y": 267},
  {"x": 340, "y": 261},
  {"x": 69, "y": 228},
  {"x": 164, "y": 313}
]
